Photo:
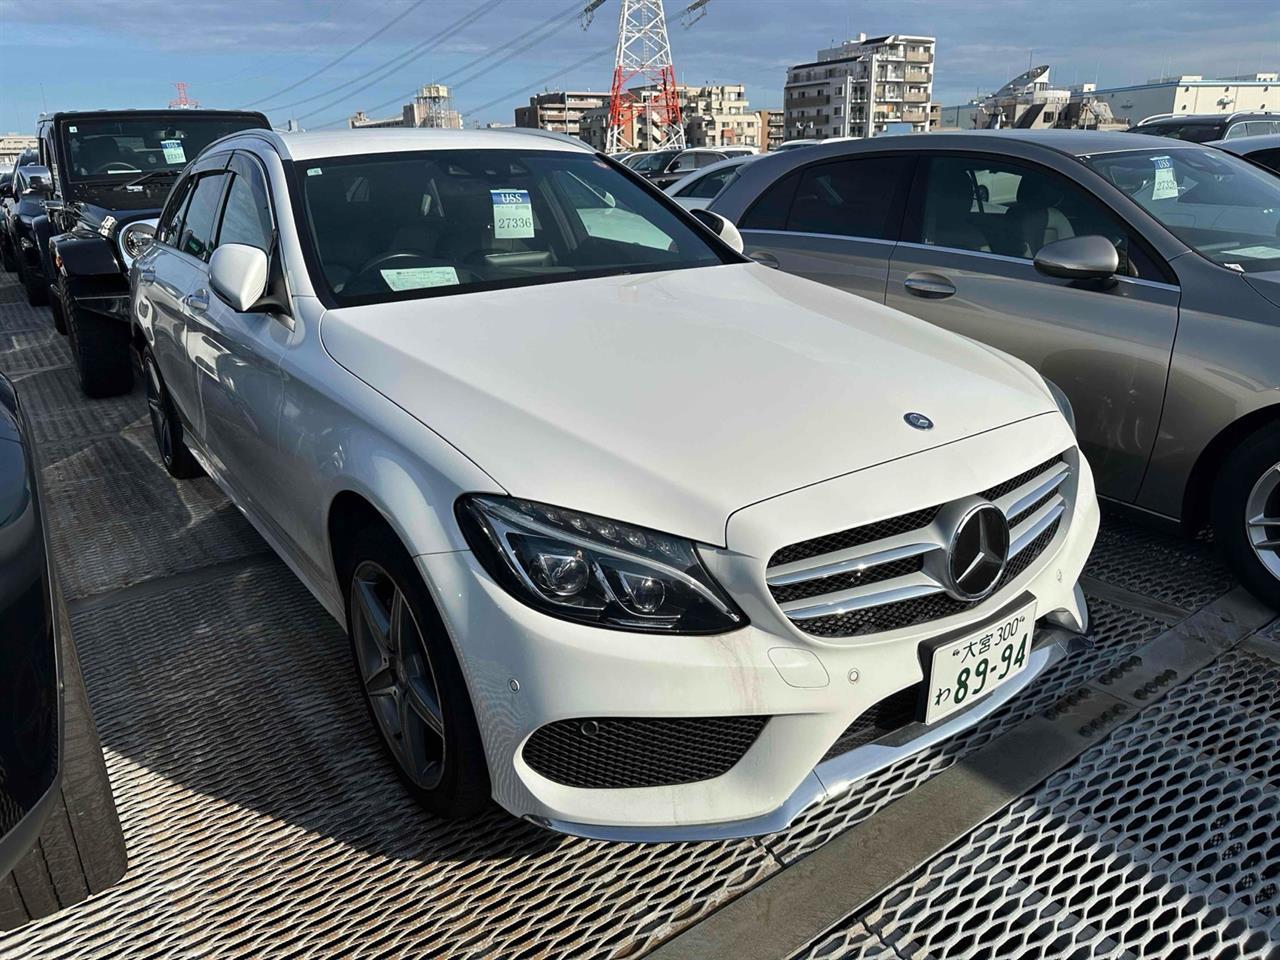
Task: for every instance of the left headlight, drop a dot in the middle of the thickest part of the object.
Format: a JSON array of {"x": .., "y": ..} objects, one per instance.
[
  {"x": 134, "y": 240},
  {"x": 581, "y": 567},
  {"x": 1063, "y": 403}
]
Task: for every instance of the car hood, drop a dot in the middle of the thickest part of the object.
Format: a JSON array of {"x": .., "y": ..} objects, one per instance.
[{"x": 673, "y": 399}]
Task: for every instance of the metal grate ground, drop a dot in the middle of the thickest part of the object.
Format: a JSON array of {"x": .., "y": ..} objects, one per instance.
[{"x": 259, "y": 815}]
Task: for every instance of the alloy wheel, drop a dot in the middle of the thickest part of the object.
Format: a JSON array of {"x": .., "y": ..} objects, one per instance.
[
  {"x": 1262, "y": 519},
  {"x": 158, "y": 410},
  {"x": 397, "y": 674}
]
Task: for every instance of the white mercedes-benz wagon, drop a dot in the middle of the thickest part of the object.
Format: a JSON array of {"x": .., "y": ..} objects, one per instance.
[{"x": 638, "y": 537}]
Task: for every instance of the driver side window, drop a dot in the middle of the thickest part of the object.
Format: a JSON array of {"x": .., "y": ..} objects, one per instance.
[{"x": 196, "y": 238}]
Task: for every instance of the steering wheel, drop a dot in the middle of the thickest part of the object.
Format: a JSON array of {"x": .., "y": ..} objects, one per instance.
[
  {"x": 119, "y": 166},
  {"x": 376, "y": 262}
]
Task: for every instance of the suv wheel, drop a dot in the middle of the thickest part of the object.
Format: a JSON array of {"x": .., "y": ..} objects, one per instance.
[
  {"x": 100, "y": 348},
  {"x": 1246, "y": 513},
  {"x": 6, "y": 254},
  {"x": 411, "y": 680},
  {"x": 37, "y": 291},
  {"x": 58, "y": 306},
  {"x": 166, "y": 424}
]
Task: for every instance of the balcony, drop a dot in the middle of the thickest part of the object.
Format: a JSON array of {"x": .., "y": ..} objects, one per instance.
[
  {"x": 915, "y": 57},
  {"x": 915, "y": 116},
  {"x": 891, "y": 94},
  {"x": 918, "y": 76},
  {"x": 916, "y": 97},
  {"x": 800, "y": 103}
]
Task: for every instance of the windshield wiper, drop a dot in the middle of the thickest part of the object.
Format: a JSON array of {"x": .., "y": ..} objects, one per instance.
[{"x": 138, "y": 181}]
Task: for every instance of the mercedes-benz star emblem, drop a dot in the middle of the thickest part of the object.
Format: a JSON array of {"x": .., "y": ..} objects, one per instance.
[
  {"x": 977, "y": 553},
  {"x": 918, "y": 420}
]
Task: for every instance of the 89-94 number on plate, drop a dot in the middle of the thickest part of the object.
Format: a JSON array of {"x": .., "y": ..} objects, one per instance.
[{"x": 969, "y": 668}]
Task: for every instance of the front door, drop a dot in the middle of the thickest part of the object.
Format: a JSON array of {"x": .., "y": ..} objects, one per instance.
[
  {"x": 965, "y": 263},
  {"x": 834, "y": 221}
]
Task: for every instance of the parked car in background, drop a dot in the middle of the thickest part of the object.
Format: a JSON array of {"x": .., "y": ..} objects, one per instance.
[
  {"x": 432, "y": 383},
  {"x": 1140, "y": 274},
  {"x": 794, "y": 145},
  {"x": 1201, "y": 128},
  {"x": 57, "y": 834},
  {"x": 631, "y": 159},
  {"x": 665, "y": 167},
  {"x": 739, "y": 151},
  {"x": 112, "y": 170},
  {"x": 1264, "y": 149},
  {"x": 697, "y": 190},
  {"x": 23, "y": 205}
]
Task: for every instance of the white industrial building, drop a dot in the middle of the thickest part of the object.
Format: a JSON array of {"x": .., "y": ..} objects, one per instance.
[
  {"x": 1192, "y": 94},
  {"x": 861, "y": 88}
]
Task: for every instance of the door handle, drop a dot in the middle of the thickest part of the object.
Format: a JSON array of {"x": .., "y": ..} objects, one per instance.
[
  {"x": 766, "y": 258},
  {"x": 932, "y": 286},
  {"x": 197, "y": 302}
]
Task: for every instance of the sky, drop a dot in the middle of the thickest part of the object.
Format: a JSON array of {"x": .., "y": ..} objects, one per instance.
[{"x": 320, "y": 60}]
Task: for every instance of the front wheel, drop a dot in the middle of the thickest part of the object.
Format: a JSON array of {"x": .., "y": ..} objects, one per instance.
[
  {"x": 412, "y": 683},
  {"x": 100, "y": 349},
  {"x": 36, "y": 289},
  {"x": 1246, "y": 513},
  {"x": 166, "y": 425}
]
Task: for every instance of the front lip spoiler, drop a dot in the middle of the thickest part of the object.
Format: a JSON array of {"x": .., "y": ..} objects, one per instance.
[{"x": 830, "y": 778}]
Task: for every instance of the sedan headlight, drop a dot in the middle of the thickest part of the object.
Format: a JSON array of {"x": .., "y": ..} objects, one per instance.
[
  {"x": 1063, "y": 403},
  {"x": 134, "y": 239},
  {"x": 585, "y": 568}
]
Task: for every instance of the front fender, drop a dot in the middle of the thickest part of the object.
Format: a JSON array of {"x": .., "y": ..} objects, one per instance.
[{"x": 85, "y": 256}]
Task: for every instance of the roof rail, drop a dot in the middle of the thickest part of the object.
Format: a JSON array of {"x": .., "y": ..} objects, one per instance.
[
  {"x": 1153, "y": 118},
  {"x": 549, "y": 134}
]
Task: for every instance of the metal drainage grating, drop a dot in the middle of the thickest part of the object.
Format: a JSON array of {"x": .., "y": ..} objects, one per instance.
[
  {"x": 1117, "y": 633},
  {"x": 1162, "y": 841}
]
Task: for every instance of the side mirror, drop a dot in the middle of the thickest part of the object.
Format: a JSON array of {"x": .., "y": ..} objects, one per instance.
[
  {"x": 1079, "y": 258},
  {"x": 721, "y": 227},
  {"x": 6, "y": 191},
  {"x": 238, "y": 275}
]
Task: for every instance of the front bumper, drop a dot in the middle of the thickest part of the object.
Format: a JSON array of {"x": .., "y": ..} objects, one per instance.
[{"x": 525, "y": 669}]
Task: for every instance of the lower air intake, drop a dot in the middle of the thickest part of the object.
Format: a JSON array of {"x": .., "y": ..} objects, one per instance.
[{"x": 614, "y": 752}]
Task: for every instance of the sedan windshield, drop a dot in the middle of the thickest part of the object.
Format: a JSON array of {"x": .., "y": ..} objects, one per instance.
[
  {"x": 1222, "y": 207},
  {"x": 405, "y": 225},
  {"x": 127, "y": 146}
]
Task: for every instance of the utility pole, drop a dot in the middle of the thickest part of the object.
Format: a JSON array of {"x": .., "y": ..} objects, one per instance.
[{"x": 644, "y": 52}]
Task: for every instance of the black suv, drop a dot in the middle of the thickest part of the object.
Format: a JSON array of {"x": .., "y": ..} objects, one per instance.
[
  {"x": 111, "y": 171},
  {"x": 22, "y": 200},
  {"x": 1203, "y": 127}
]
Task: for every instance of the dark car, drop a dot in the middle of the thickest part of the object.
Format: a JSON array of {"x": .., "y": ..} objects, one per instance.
[
  {"x": 1140, "y": 274},
  {"x": 79, "y": 849},
  {"x": 1263, "y": 150},
  {"x": 112, "y": 170},
  {"x": 23, "y": 202},
  {"x": 665, "y": 167},
  {"x": 1201, "y": 128}
]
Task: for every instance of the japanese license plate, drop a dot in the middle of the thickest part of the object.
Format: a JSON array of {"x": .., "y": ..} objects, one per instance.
[{"x": 969, "y": 668}]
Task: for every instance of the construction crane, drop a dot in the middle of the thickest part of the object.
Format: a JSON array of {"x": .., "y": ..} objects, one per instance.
[{"x": 644, "y": 52}]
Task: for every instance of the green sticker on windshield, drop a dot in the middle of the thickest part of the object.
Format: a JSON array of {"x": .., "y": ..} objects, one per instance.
[
  {"x": 173, "y": 152},
  {"x": 419, "y": 278}
]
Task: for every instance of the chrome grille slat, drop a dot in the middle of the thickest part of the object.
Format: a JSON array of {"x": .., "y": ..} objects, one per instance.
[
  {"x": 913, "y": 544},
  {"x": 1019, "y": 500},
  {"x": 911, "y": 586},
  {"x": 1033, "y": 502}
]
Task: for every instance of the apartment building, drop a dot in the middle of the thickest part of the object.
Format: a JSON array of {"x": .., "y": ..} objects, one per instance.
[
  {"x": 772, "y": 129},
  {"x": 860, "y": 88},
  {"x": 714, "y": 115},
  {"x": 432, "y": 106},
  {"x": 559, "y": 110}
]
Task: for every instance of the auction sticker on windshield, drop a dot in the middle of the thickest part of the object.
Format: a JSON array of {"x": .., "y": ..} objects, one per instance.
[
  {"x": 969, "y": 668},
  {"x": 173, "y": 152},
  {"x": 419, "y": 278},
  {"x": 512, "y": 214},
  {"x": 1165, "y": 185}
]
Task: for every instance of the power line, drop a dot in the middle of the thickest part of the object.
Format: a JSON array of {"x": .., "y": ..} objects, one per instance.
[
  {"x": 605, "y": 52},
  {"x": 333, "y": 63},
  {"x": 554, "y": 25},
  {"x": 397, "y": 62}
]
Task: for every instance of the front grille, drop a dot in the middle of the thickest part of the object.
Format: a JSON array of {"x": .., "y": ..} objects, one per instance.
[
  {"x": 879, "y": 720},
  {"x": 613, "y": 752},
  {"x": 880, "y": 576}
]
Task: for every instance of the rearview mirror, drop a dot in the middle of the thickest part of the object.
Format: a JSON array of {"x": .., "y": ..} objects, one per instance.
[
  {"x": 238, "y": 275},
  {"x": 721, "y": 227},
  {"x": 1079, "y": 258}
]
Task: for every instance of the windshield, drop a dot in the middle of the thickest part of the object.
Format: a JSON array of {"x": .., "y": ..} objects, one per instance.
[
  {"x": 1192, "y": 132},
  {"x": 1222, "y": 207},
  {"x": 405, "y": 225},
  {"x": 125, "y": 147},
  {"x": 654, "y": 162}
]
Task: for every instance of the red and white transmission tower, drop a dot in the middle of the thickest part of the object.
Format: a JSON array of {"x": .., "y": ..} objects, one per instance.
[
  {"x": 644, "y": 52},
  {"x": 182, "y": 101}
]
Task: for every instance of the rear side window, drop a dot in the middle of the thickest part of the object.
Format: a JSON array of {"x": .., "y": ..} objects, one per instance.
[
  {"x": 849, "y": 198},
  {"x": 769, "y": 212},
  {"x": 710, "y": 185},
  {"x": 196, "y": 238},
  {"x": 1267, "y": 158}
]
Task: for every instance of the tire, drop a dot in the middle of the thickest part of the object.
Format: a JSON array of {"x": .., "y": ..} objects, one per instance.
[
  {"x": 100, "y": 349},
  {"x": 37, "y": 290},
  {"x": 447, "y": 775},
  {"x": 6, "y": 255},
  {"x": 80, "y": 850},
  {"x": 1248, "y": 487},
  {"x": 57, "y": 306},
  {"x": 166, "y": 425}
]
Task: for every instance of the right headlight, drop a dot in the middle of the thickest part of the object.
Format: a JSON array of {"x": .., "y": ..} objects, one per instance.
[
  {"x": 1064, "y": 404},
  {"x": 582, "y": 567},
  {"x": 134, "y": 240}
]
